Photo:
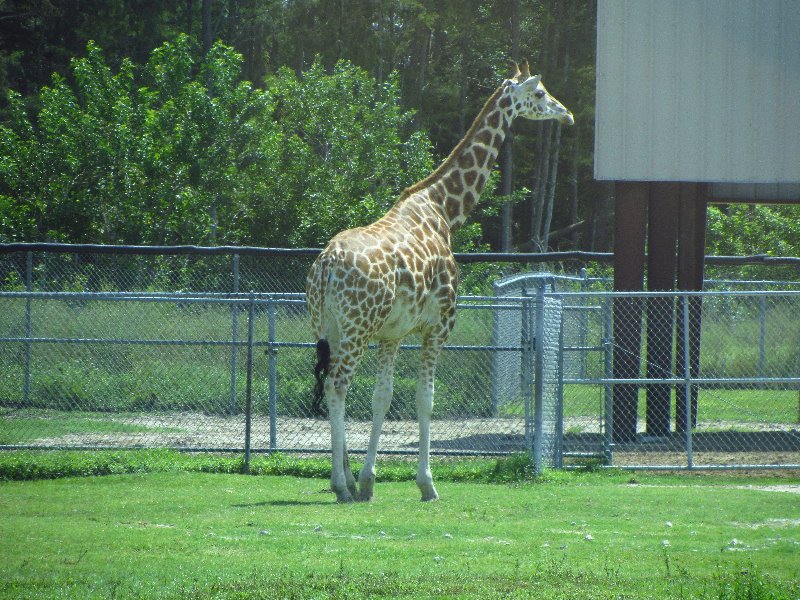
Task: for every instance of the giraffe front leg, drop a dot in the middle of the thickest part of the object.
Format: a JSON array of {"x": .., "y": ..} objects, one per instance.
[
  {"x": 381, "y": 399},
  {"x": 349, "y": 478},
  {"x": 424, "y": 412}
]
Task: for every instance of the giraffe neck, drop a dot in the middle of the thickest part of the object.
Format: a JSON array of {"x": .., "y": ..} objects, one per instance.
[{"x": 455, "y": 187}]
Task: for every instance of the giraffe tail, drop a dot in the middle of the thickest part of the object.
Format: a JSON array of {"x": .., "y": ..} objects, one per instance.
[{"x": 320, "y": 373}]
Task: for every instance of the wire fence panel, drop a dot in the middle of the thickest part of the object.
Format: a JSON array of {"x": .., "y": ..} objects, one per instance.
[
  {"x": 722, "y": 366},
  {"x": 101, "y": 351},
  {"x": 116, "y": 370}
]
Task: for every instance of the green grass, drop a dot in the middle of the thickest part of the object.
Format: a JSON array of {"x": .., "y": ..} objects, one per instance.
[
  {"x": 582, "y": 535},
  {"x": 715, "y": 404},
  {"x": 48, "y": 464}
]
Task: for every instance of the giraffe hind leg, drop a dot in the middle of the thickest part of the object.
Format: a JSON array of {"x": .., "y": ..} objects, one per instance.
[
  {"x": 340, "y": 484},
  {"x": 381, "y": 399},
  {"x": 344, "y": 363}
]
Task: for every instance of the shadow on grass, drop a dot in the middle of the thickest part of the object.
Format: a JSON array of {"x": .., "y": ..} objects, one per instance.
[{"x": 277, "y": 503}]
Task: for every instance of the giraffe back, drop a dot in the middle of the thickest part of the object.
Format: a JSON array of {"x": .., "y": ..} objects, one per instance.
[{"x": 383, "y": 281}]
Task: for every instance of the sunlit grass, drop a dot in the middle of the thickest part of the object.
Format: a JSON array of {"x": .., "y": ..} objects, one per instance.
[{"x": 180, "y": 535}]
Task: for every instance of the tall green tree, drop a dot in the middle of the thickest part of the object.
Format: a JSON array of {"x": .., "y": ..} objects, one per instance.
[{"x": 182, "y": 151}]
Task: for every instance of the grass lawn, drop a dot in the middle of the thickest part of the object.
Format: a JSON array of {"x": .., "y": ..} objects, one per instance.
[{"x": 575, "y": 535}]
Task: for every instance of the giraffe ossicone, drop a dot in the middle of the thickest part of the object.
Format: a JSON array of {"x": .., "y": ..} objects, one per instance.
[{"x": 398, "y": 276}]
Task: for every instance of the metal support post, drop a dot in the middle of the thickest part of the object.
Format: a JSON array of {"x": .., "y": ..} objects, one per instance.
[
  {"x": 234, "y": 333},
  {"x": 559, "y": 408},
  {"x": 687, "y": 374},
  {"x": 273, "y": 377},
  {"x": 26, "y": 391},
  {"x": 249, "y": 388},
  {"x": 762, "y": 319},
  {"x": 528, "y": 344},
  {"x": 608, "y": 373},
  {"x": 538, "y": 382}
]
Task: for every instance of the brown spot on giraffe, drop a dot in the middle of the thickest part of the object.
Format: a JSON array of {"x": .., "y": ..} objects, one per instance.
[
  {"x": 484, "y": 137},
  {"x": 480, "y": 156},
  {"x": 470, "y": 177},
  {"x": 452, "y": 207},
  {"x": 454, "y": 184},
  {"x": 466, "y": 160}
]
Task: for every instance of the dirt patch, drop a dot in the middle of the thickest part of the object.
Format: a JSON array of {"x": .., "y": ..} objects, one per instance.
[
  {"x": 717, "y": 444},
  {"x": 195, "y": 430}
]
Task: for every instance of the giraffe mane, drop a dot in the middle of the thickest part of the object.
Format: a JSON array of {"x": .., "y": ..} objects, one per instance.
[{"x": 448, "y": 162}]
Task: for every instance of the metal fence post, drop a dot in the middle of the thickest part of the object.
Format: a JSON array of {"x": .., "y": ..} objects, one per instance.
[
  {"x": 273, "y": 377},
  {"x": 234, "y": 333},
  {"x": 687, "y": 375},
  {"x": 762, "y": 321},
  {"x": 538, "y": 381},
  {"x": 608, "y": 373},
  {"x": 583, "y": 322},
  {"x": 249, "y": 388},
  {"x": 26, "y": 390},
  {"x": 527, "y": 372},
  {"x": 559, "y": 433}
]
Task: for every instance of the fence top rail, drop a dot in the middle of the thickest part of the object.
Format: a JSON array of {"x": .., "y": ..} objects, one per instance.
[
  {"x": 299, "y": 297},
  {"x": 674, "y": 294},
  {"x": 157, "y": 250},
  {"x": 462, "y": 257},
  {"x": 233, "y": 298}
]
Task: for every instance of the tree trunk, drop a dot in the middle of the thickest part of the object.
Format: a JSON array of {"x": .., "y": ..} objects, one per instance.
[
  {"x": 573, "y": 188},
  {"x": 551, "y": 187},
  {"x": 424, "y": 52},
  {"x": 207, "y": 28},
  {"x": 540, "y": 185},
  {"x": 508, "y": 207}
]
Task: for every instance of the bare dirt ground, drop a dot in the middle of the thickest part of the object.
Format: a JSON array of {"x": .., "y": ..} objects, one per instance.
[{"x": 712, "y": 443}]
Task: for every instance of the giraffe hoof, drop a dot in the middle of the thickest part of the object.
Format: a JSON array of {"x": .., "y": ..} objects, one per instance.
[
  {"x": 344, "y": 497},
  {"x": 428, "y": 493},
  {"x": 366, "y": 485}
]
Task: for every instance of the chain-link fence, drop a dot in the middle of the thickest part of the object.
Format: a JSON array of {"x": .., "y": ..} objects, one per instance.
[
  {"x": 101, "y": 351},
  {"x": 683, "y": 379}
]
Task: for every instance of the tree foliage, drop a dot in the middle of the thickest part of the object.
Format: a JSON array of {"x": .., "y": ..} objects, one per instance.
[
  {"x": 184, "y": 151},
  {"x": 158, "y": 138}
]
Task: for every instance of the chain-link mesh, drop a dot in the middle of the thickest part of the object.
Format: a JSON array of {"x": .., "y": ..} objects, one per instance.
[
  {"x": 124, "y": 351},
  {"x": 724, "y": 366}
]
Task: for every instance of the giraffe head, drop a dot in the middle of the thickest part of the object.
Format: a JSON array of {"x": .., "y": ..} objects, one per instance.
[{"x": 530, "y": 99}]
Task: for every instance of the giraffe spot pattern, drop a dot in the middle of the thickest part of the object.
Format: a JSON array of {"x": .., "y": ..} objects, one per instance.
[
  {"x": 470, "y": 177},
  {"x": 484, "y": 137},
  {"x": 466, "y": 160},
  {"x": 453, "y": 183},
  {"x": 480, "y": 156}
]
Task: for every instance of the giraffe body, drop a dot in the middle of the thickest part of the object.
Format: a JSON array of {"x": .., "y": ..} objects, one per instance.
[{"x": 398, "y": 276}]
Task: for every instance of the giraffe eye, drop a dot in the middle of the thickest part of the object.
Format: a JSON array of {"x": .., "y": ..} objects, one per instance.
[{"x": 539, "y": 94}]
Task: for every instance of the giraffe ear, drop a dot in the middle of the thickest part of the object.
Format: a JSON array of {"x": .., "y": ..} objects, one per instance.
[{"x": 524, "y": 71}]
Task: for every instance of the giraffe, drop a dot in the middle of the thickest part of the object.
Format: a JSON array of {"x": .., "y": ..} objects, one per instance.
[{"x": 398, "y": 275}]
